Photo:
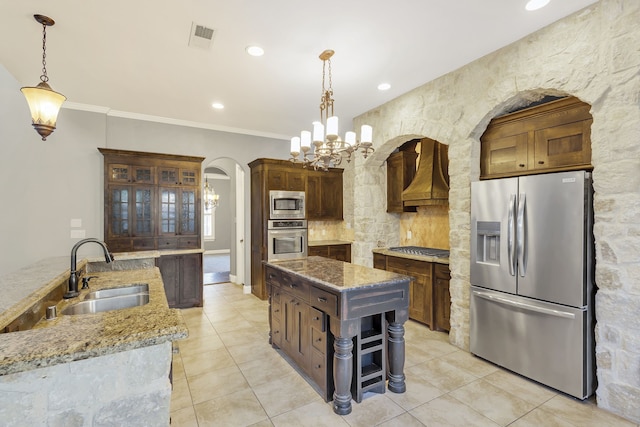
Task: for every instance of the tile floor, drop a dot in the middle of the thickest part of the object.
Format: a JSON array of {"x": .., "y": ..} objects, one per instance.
[{"x": 226, "y": 374}]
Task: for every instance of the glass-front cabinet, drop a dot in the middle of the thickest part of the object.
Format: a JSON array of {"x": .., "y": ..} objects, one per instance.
[{"x": 152, "y": 201}]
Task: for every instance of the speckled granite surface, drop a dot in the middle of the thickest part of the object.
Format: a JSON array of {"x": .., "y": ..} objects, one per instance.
[
  {"x": 328, "y": 242},
  {"x": 68, "y": 338},
  {"x": 338, "y": 275},
  {"x": 386, "y": 251}
]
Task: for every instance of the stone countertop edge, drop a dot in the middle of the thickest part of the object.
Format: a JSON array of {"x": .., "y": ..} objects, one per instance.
[
  {"x": 328, "y": 242},
  {"x": 387, "y": 251},
  {"x": 338, "y": 275},
  {"x": 68, "y": 338}
]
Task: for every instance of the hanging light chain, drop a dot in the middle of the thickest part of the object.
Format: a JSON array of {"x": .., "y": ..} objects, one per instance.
[{"x": 44, "y": 76}]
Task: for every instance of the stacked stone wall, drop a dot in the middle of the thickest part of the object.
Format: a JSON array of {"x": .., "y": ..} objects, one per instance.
[{"x": 594, "y": 55}]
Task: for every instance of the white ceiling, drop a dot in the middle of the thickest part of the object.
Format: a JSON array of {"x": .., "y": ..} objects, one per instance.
[{"x": 133, "y": 57}]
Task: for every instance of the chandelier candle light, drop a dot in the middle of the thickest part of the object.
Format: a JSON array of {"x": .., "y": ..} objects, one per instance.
[
  {"x": 211, "y": 199},
  {"x": 329, "y": 149},
  {"x": 44, "y": 102}
]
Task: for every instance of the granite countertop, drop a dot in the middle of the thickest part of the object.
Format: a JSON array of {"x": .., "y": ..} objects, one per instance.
[
  {"x": 338, "y": 275},
  {"x": 388, "y": 252},
  {"x": 328, "y": 242},
  {"x": 75, "y": 337}
]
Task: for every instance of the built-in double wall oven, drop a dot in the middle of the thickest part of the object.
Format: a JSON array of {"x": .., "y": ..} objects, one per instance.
[{"x": 287, "y": 226}]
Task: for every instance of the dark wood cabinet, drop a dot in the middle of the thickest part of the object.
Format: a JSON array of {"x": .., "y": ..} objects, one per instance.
[
  {"x": 401, "y": 168},
  {"x": 552, "y": 137},
  {"x": 323, "y": 190},
  {"x": 152, "y": 201},
  {"x": 441, "y": 297},
  {"x": 341, "y": 252},
  {"x": 420, "y": 288},
  {"x": 324, "y": 195},
  {"x": 429, "y": 299},
  {"x": 283, "y": 179},
  {"x": 182, "y": 277}
]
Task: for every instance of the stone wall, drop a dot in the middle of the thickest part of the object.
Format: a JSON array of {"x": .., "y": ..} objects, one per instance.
[
  {"x": 129, "y": 388},
  {"x": 594, "y": 55}
]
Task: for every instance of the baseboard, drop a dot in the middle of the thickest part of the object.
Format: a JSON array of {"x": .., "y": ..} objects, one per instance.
[
  {"x": 246, "y": 289},
  {"x": 232, "y": 278}
]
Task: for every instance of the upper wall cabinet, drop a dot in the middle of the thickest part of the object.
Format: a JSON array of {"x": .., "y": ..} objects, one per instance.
[
  {"x": 401, "y": 168},
  {"x": 324, "y": 195},
  {"x": 152, "y": 201},
  {"x": 551, "y": 137}
]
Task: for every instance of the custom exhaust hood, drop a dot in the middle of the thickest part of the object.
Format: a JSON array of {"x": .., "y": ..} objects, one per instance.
[{"x": 430, "y": 186}]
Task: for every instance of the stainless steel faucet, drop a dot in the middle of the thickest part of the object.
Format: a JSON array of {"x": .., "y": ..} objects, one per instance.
[{"x": 73, "y": 278}]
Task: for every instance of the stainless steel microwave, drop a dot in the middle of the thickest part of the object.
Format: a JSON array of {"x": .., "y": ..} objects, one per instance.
[{"x": 286, "y": 204}]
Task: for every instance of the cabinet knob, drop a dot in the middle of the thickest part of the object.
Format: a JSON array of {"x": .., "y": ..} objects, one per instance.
[
  {"x": 293, "y": 285},
  {"x": 540, "y": 162},
  {"x": 521, "y": 165},
  {"x": 316, "y": 318},
  {"x": 322, "y": 299},
  {"x": 319, "y": 340}
]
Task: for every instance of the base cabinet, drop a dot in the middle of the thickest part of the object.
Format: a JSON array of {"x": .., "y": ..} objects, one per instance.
[
  {"x": 429, "y": 299},
  {"x": 341, "y": 252},
  {"x": 300, "y": 316},
  {"x": 441, "y": 297},
  {"x": 182, "y": 277}
]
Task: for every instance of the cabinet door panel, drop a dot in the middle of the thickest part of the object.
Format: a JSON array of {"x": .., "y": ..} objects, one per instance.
[
  {"x": 143, "y": 212},
  {"x": 168, "y": 211},
  {"x": 188, "y": 212},
  {"x": 170, "y": 268},
  {"x": 506, "y": 154},
  {"x": 118, "y": 211},
  {"x": 331, "y": 196},
  {"x": 561, "y": 146},
  {"x": 191, "y": 280}
]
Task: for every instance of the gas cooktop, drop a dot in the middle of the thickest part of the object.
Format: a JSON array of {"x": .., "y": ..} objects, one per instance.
[{"x": 418, "y": 250}]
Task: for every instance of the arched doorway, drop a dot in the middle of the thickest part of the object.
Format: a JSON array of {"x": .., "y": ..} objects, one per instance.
[{"x": 223, "y": 226}]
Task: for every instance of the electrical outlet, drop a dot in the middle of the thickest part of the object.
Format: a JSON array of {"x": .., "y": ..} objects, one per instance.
[{"x": 408, "y": 234}]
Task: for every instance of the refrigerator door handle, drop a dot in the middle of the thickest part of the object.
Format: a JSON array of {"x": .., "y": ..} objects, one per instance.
[
  {"x": 531, "y": 307},
  {"x": 510, "y": 235},
  {"x": 521, "y": 236}
]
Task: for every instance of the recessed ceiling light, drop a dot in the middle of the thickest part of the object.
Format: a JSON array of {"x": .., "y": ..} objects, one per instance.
[
  {"x": 384, "y": 86},
  {"x": 255, "y": 50},
  {"x": 536, "y": 4},
  {"x": 217, "y": 106}
]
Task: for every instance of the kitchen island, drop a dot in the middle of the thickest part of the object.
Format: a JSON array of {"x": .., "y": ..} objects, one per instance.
[
  {"x": 341, "y": 324},
  {"x": 108, "y": 368}
]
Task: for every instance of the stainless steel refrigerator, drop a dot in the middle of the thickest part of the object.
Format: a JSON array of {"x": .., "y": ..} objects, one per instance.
[{"x": 532, "y": 273}]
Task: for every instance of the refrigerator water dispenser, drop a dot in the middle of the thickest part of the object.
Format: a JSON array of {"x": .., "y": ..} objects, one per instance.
[{"x": 488, "y": 242}]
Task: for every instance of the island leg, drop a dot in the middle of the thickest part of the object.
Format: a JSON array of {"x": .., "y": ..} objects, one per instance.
[
  {"x": 396, "y": 357},
  {"x": 342, "y": 373}
]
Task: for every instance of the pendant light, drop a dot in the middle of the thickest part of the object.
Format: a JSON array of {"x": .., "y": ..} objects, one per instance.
[
  {"x": 329, "y": 149},
  {"x": 44, "y": 102}
]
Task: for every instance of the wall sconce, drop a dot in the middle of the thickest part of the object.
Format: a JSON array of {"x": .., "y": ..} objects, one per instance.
[{"x": 43, "y": 101}]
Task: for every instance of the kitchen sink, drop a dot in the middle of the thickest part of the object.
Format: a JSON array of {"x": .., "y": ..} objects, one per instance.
[
  {"x": 137, "y": 288},
  {"x": 107, "y": 304}
]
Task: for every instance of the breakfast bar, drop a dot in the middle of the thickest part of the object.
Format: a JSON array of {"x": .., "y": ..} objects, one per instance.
[{"x": 341, "y": 324}]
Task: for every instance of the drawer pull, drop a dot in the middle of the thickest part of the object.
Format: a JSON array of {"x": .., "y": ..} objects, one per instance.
[
  {"x": 318, "y": 366},
  {"x": 271, "y": 275},
  {"x": 276, "y": 311},
  {"x": 293, "y": 285},
  {"x": 322, "y": 299},
  {"x": 316, "y": 318},
  {"x": 319, "y": 340}
]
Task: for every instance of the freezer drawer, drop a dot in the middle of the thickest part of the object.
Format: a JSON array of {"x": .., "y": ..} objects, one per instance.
[{"x": 549, "y": 343}]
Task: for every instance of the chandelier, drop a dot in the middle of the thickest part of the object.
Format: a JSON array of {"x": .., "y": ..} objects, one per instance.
[
  {"x": 44, "y": 102},
  {"x": 329, "y": 148},
  {"x": 211, "y": 199}
]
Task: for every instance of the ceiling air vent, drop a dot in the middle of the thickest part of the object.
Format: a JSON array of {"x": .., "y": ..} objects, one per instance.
[{"x": 200, "y": 36}]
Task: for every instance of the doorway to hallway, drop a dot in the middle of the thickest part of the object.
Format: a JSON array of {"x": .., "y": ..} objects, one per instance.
[{"x": 216, "y": 268}]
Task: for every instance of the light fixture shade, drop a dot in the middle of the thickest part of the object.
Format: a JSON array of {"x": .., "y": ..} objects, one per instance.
[{"x": 44, "y": 104}]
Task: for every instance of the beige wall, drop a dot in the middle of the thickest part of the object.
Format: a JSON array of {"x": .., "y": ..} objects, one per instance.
[{"x": 594, "y": 55}]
